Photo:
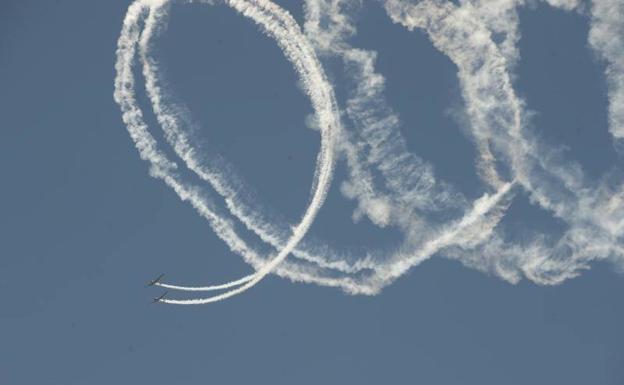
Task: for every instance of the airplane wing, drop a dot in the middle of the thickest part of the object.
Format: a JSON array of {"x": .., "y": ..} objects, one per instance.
[
  {"x": 160, "y": 298},
  {"x": 155, "y": 280}
]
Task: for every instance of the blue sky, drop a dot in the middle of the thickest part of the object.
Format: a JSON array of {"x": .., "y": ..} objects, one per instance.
[{"x": 84, "y": 225}]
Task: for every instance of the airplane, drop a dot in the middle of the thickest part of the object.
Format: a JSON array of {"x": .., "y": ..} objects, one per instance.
[
  {"x": 155, "y": 281},
  {"x": 159, "y": 299}
]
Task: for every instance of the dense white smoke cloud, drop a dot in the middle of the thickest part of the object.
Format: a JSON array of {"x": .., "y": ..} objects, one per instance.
[{"x": 393, "y": 187}]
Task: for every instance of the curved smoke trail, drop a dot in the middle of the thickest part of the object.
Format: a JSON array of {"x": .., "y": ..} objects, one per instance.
[
  {"x": 279, "y": 25},
  {"x": 392, "y": 186},
  {"x": 554, "y": 183}
]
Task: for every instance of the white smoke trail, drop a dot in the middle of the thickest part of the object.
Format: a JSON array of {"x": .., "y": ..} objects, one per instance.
[
  {"x": 554, "y": 184},
  {"x": 298, "y": 273},
  {"x": 392, "y": 187},
  {"x": 460, "y": 33},
  {"x": 208, "y": 288},
  {"x": 161, "y": 166},
  {"x": 180, "y": 141}
]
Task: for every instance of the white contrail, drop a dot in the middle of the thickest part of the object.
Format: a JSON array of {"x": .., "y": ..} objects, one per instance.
[
  {"x": 464, "y": 34},
  {"x": 208, "y": 288},
  {"x": 556, "y": 185},
  {"x": 325, "y": 158},
  {"x": 393, "y": 187}
]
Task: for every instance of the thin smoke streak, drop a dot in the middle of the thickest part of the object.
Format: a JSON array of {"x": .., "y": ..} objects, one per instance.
[{"x": 208, "y": 288}]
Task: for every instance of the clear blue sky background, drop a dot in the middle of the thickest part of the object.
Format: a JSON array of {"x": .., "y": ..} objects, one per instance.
[{"x": 83, "y": 226}]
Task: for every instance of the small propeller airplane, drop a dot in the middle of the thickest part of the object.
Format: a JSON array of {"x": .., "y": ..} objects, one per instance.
[
  {"x": 159, "y": 299},
  {"x": 155, "y": 281}
]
